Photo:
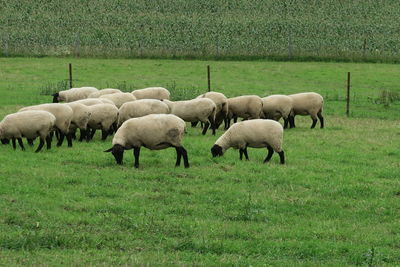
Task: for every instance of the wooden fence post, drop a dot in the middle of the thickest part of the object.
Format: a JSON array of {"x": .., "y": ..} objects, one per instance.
[
  {"x": 208, "y": 78},
  {"x": 70, "y": 75},
  {"x": 348, "y": 95}
]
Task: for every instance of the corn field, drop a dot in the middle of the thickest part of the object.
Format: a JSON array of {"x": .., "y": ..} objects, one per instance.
[{"x": 367, "y": 30}]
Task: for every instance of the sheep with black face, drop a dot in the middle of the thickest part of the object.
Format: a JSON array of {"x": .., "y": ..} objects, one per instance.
[
  {"x": 73, "y": 94},
  {"x": 155, "y": 132},
  {"x": 256, "y": 133}
]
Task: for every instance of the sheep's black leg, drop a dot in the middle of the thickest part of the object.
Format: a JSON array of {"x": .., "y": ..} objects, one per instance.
[
  {"x": 69, "y": 139},
  {"x": 185, "y": 157},
  {"x": 30, "y": 141},
  {"x": 212, "y": 123},
  {"x": 61, "y": 140},
  {"x": 58, "y": 134},
  {"x": 48, "y": 142},
  {"x": 282, "y": 157},
  {"x": 314, "y": 122},
  {"x": 178, "y": 156},
  {"x": 206, "y": 125},
  {"x": 227, "y": 123},
  {"x": 136, "y": 152},
  {"x": 21, "y": 144},
  {"x": 240, "y": 153},
  {"x": 321, "y": 119},
  {"x": 104, "y": 134},
  {"x": 235, "y": 118},
  {"x": 194, "y": 124},
  {"x": 83, "y": 135},
  {"x": 40, "y": 145},
  {"x": 269, "y": 156},
  {"x": 13, "y": 143},
  {"x": 286, "y": 122},
  {"x": 291, "y": 122},
  {"x": 245, "y": 153}
]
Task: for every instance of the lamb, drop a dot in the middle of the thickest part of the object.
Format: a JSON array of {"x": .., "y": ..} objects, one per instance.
[
  {"x": 104, "y": 117},
  {"x": 106, "y": 91},
  {"x": 309, "y": 103},
  {"x": 155, "y": 132},
  {"x": 151, "y": 93},
  {"x": 119, "y": 98},
  {"x": 73, "y": 94},
  {"x": 140, "y": 108},
  {"x": 246, "y": 107},
  {"x": 29, "y": 124},
  {"x": 80, "y": 118},
  {"x": 200, "y": 109},
  {"x": 221, "y": 102},
  {"x": 63, "y": 114},
  {"x": 256, "y": 133},
  {"x": 276, "y": 107}
]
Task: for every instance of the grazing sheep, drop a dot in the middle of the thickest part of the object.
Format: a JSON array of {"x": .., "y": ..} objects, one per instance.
[
  {"x": 73, "y": 94},
  {"x": 155, "y": 132},
  {"x": 276, "y": 107},
  {"x": 80, "y": 118},
  {"x": 63, "y": 114},
  {"x": 221, "y": 102},
  {"x": 29, "y": 124},
  {"x": 119, "y": 98},
  {"x": 246, "y": 107},
  {"x": 104, "y": 117},
  {"x": 308, "y": 104},
  {"x": 253, "y": 133},
  {"x": 140, "y": 108},
  {"x": 199, "y": 109},
  {"x": 151, "y": 93},
  {"x": 101, "y": 92}
]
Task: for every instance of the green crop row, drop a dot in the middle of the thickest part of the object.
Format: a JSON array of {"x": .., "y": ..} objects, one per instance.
[{"x": 352, "y": 30}]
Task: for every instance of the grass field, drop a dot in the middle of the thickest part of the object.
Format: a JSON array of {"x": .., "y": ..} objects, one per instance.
[
  {"x": 289, "y": 30},
  {"x": 336, "y": 202}
]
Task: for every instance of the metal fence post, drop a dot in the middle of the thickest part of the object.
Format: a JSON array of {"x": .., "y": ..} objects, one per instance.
[
  {"x": 348, "y": 95},
  {"x": 70, "y": 75},
  {"x": 208, "y": 78}
]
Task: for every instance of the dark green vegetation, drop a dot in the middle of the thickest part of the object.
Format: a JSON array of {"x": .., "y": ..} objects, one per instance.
[
  {"x": 335, "y": 202},
  {"x": 335, "y": 30}
]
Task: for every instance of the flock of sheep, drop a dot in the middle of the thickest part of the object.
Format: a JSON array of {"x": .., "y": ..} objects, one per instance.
[{"x": 146, "y": 117}]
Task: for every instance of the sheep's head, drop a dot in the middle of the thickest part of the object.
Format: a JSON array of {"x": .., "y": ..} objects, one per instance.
[
  {"x": 118, "y": 153},
  {"x": 217, "y": 151},
  {"x": 55, "y": 97}
]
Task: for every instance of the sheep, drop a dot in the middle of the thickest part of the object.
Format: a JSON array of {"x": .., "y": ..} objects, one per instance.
[
  {"x": 151, "y": 93},
  {"x": 73, "y": 94},
  {"x": 276, "y": 107},
  {"x": 200, "y": 109},
  {"x": 246, "y": 107},
  {"x": 221, "y": 102},
  {"x": 80, "y": 118},
  {"x": 63, "y": 114},
  {"x": 256, "y": 133},
  {"x": 104, "y": 92},
  {"x": 309, "y": 103},
  {"x": 140, "y": 108},
  {"x": 104, "y": 117},
  {"x": 29, "y": 124},
  {"x": 119, "y": 98},
  {"x": 155, "y": 132}
]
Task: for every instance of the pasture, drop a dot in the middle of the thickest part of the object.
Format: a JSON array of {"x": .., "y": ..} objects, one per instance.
[{"x": 335, "y": 202}]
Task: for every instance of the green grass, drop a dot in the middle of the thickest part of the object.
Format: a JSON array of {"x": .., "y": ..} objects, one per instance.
[
  {"x": 241, "y": 29},
  {"x": 336, "y": 201}
]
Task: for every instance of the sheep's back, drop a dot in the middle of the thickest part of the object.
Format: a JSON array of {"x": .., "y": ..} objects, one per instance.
[
  {"x": 306, "y": 103},
  {"x": 155, "y": 131},
  {"x": 151, "y": 93}
]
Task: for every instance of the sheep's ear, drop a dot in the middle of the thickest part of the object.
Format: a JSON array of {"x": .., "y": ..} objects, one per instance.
[{"x": 108, "y": 150}]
